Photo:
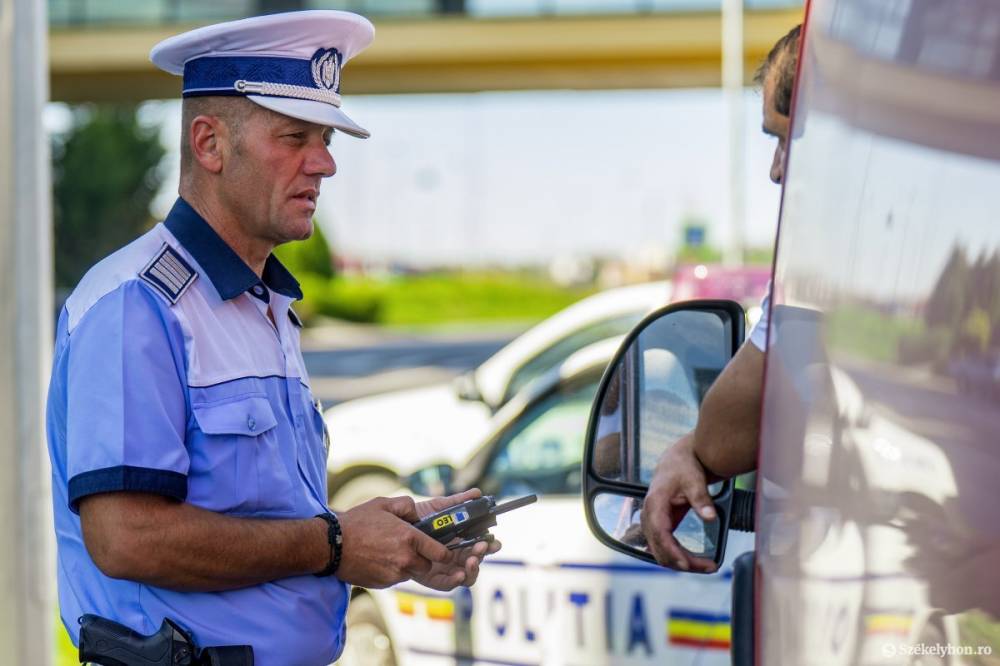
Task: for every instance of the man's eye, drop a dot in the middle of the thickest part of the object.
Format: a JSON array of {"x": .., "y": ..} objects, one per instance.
[{"x": 298, "y": 136}]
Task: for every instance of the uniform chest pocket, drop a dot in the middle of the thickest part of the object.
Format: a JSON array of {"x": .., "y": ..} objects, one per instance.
[{"x": 237, "y": 462}]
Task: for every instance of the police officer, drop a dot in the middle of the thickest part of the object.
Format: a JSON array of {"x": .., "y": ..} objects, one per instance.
[{"x": 188, "y": 453}]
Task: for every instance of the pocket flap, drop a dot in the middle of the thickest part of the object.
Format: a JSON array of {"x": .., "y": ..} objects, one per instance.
[{"x": 248, "y": 416}]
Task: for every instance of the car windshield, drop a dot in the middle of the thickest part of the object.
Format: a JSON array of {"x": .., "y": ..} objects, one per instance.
[
  {"x": 567, "y": 346},
  {"x": 541, "y": 452}
]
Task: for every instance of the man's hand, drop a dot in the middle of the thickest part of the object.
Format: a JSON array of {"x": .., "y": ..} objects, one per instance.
[
  {"x": 463, "y": 566},
  {"x": 679, "y": 484},
  {"x": 382, "y": 547},
  {"x": 724, "y": 443}
]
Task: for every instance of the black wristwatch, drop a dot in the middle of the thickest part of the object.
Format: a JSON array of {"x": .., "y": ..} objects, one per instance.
[{"x": 336, "y": 539}]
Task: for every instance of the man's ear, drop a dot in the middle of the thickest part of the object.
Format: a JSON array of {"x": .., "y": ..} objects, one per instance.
[{"x": 206, "y": 137}]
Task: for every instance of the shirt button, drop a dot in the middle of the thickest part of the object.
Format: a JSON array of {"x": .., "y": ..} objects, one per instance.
[
  {"x": 258, "y": 290},
  {"x": 251, "y": 423}
]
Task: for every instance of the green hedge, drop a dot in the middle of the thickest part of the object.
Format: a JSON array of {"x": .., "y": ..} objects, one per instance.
[
  {"x": 473, "y": 297},
  {"x": 431, "y": 299}
]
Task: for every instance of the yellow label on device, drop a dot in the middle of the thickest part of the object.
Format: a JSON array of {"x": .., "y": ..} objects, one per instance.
[{"x": 443, "y": 522}]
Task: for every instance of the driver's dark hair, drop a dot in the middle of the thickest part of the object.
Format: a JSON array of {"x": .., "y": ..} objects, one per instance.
[{"x": 783, "y": 59}]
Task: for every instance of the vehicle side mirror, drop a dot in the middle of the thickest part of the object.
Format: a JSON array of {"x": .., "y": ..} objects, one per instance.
[
  {"x": 649, "y": 398},
  {"x": 466, "y": 388},
  {"x": 431, "y": 481}
]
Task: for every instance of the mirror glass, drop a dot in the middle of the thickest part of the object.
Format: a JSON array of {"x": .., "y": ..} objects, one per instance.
[
  {"x": 620, "y": 518},
  {"x": 656, "y": 388}
]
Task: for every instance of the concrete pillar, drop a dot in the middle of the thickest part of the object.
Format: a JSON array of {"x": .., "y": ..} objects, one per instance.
[
  {"x": 733, "y": 87},
  {"x": 27, "y": 569}
]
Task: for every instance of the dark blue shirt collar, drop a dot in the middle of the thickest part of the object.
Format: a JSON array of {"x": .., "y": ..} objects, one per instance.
[{"x": 225, "y": 270}]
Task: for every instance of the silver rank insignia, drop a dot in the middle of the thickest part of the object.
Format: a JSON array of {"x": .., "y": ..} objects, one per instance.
[{"x": 169, "y": 274}]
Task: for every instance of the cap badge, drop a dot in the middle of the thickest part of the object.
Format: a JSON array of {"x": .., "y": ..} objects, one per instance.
[{"x": 326, "y": 69}]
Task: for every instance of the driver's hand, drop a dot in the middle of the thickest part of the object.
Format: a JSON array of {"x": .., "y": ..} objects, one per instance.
[{"x": 679, "y": 484}]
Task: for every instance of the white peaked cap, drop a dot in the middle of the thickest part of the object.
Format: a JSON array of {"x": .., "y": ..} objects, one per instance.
[{"x": 289, "y": 63}]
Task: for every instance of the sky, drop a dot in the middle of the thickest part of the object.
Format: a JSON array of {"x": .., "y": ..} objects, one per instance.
[{"x": 514, "y": 178}]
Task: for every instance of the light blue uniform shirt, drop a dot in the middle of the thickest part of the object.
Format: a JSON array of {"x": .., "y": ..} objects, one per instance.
[{"x": 169, "y": 378}]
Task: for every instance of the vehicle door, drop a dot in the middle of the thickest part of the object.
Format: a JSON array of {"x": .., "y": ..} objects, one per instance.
[{"x": 875, "y": 537}]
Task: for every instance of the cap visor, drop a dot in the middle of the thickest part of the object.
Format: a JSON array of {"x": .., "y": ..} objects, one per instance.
[{"x": 320, "y": 113}]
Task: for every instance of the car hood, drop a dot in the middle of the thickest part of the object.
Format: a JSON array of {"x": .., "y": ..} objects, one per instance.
[{"x": 405, "y": 430}]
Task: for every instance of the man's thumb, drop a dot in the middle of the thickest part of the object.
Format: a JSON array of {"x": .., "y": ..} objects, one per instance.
[
  {"x": 701, "y": 501},
  {"x": 458, "y": 498},
  {"x": 403, "y": 507},
  {"x": 436, "y": 504}
]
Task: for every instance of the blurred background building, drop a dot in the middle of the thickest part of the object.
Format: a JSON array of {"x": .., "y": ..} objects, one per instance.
[{"x": 572, "y": 140}]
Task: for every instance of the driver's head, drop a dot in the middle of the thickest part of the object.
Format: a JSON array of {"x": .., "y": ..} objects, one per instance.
[{"x": 776, "y": 76}]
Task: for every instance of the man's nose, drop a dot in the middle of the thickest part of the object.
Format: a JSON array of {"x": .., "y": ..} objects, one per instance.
[
  {"x": 778, "y": 166},
  {"x": 321, "y": 163}
]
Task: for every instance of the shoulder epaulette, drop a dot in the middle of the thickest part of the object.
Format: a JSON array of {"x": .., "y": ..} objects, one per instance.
[
  {"x": 169, "y": 274},
  {"x": 294, "y": 316}
]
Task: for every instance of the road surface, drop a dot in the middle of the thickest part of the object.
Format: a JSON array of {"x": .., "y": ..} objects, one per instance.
[{"x": 346, "y": 362}]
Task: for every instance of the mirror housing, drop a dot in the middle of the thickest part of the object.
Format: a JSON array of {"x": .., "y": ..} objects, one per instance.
[
  {"x": 466, "y": 388},
  {"x": 648, "y": 398},
  {"x": 431, "y": 481}
]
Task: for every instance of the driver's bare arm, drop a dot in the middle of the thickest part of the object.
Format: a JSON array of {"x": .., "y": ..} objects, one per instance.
[{"x": 727, "y": 436}]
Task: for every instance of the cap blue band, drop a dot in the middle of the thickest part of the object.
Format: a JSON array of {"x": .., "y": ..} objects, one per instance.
[{"x": 216, "y": 75}]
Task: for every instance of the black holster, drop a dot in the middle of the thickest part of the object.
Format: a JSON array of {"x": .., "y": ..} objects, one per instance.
[{"x": 108, "y": 643}]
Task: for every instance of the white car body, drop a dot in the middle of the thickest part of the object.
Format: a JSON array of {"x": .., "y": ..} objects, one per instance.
[
  {"x": 383, "y": 435},
  {"x": 553, "y": 595}
]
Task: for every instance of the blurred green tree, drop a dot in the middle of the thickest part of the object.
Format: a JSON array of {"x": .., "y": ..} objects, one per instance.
[
  {"x": 308, "y": 257},
  {"x": 946, "y": 306},
  {"x": 974, "y": 337},
  {"x": 985, "y": 288},
  {"x": 104, "y": 178}
]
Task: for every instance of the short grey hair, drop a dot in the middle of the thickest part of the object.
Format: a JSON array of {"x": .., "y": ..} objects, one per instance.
[{"x": 234, "y": 111}]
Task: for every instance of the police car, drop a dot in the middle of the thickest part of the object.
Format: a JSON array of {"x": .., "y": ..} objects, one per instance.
[
  {"x": 443, "y": 422},
  {"x": 552, "y": 595}
]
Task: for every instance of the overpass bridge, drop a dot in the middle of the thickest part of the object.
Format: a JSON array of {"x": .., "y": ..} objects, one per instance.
[{"x": 445, "y": 46}]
